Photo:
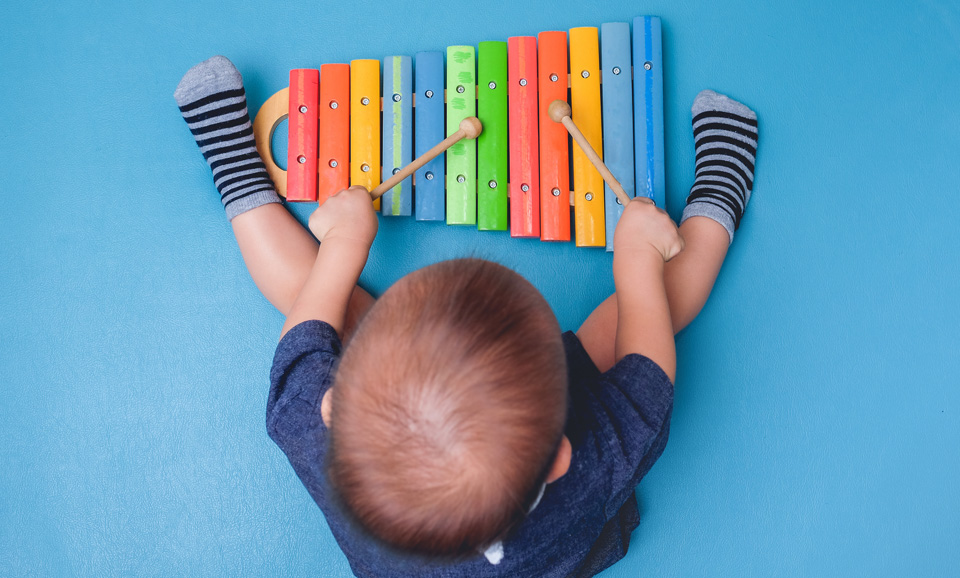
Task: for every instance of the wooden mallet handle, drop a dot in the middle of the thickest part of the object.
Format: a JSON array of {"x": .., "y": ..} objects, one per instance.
[
  {"x": 559, "y": 111},
  {"x": 470, "y": 127}
]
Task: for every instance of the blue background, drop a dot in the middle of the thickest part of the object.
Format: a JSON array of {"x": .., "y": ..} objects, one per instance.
[{"x": 816, "y": 427}]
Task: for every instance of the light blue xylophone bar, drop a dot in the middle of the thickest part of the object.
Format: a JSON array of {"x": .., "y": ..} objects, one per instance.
[
  {"x": 430, "y": 178},
  {"x": 397, "y": 133},
  {"x": 618, "y": 118},
  {"x": 648, "y": 108}
]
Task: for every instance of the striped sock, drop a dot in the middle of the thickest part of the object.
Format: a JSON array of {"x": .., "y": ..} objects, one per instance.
[
  {"x": 212, "y": 101},
  {"x": 725, "y": 133}
]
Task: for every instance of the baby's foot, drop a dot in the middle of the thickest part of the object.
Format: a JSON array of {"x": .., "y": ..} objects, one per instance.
[
  {"x": 212, "y": 101},
  {"x": 725, "y": 132}
]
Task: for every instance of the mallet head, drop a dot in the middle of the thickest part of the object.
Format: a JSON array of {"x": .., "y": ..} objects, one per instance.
[
  {"x": 471, "y": 127},
  {"x": 558, "y": 109}
]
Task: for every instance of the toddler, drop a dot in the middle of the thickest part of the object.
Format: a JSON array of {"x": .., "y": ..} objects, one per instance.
[{"x": 458, "y": 432}]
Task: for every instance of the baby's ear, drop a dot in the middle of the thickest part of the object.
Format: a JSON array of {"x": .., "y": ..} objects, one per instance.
[
  {"x": 561, "y": 464},
  {"x": 326, "y": 404}
]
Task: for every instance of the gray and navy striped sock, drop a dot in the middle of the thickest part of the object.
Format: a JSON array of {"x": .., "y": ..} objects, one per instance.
[
  {"x": 725, "y": 133},
  {"x": 212, "y": 101}
]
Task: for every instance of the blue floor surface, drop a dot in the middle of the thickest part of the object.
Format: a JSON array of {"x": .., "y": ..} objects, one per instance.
[{"x": 817, "y": 419}]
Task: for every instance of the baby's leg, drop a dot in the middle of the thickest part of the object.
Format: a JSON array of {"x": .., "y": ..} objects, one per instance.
[
  {"x": 278, "y": 251},
  {"x": 725, "y": 133}
]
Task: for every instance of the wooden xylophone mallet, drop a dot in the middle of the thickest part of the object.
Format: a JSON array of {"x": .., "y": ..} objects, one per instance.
[
  {"x": 470, "y": 128},
  {"x": 559, "y": 111}
]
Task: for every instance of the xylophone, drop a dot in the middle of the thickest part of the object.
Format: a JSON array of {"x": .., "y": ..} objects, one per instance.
[{"x": 518, "y": 172}]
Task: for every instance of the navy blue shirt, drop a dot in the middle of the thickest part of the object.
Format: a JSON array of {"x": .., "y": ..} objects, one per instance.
[{"x": 618, "y": 422}]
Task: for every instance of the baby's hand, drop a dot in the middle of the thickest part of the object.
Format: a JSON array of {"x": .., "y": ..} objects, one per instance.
[
  {"x": 645, "y": 227},
  {"x": 348, "y": 214}
]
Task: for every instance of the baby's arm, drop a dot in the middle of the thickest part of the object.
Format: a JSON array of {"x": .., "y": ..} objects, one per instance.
[
  {"x": 688, "y": 279},
  {"x": 645, "y": 239},
  {"x": 345, "y": 225}
]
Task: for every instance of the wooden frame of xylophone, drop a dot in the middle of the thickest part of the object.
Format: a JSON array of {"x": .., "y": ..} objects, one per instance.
[{"x": 518, "y": 170}]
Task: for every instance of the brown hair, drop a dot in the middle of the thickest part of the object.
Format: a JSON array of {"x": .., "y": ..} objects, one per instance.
[{"x": 448, "y": 408}]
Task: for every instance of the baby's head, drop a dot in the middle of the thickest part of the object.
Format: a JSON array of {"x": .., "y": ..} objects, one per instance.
[{"x": 448, "y": 408}]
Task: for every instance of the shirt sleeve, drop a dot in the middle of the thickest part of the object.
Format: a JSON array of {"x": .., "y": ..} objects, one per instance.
[
  {"x": 634, "y": 402},
  {"x": 303, "y": 370}
]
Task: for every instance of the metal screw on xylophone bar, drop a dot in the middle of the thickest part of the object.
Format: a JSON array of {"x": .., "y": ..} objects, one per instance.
[
  {"x": 559, "y": 111},
  {"x": 470, "y": 128}
]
